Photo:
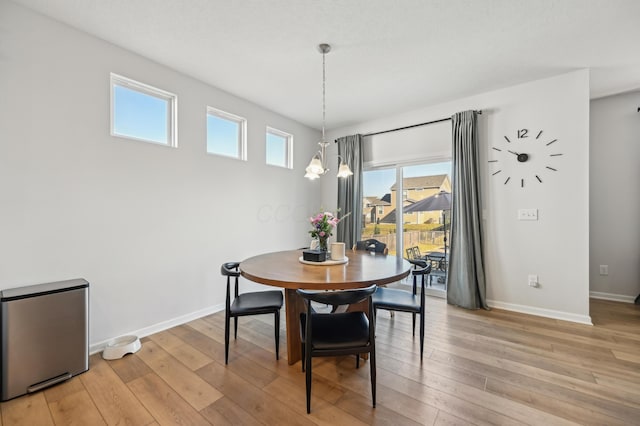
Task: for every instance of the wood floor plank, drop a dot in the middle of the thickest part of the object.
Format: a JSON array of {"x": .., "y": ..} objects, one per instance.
[
  {"x": 360, "y": 406},
  {"x": 68, "y": 387},
  {"x": 186, "y": 354},
  {"x": 343, "y": 372},
  {"x": 322, "y": 412},
  {"x": 226, "y": 412},
  {"x": 164, "y": 404},
  {"x": 202, "y": 342},
  {"x": 27, "y": 410},
  {"x": 185, "y": 382},
  {"x": 617, "y": 385},
  {"x": 129, "y": 368},
  {"x": 631, "y": 357},
  {"x": 258, "y": 403},
  {"x": 606, "y": 406},
  {"x": 562, "y": 375},
  {"x": 76, "y": 409},
  {"x": 465, "y": 401},
  {"x": 446, "y": 419},
  {"x": 115, "y": 401},
  {"x": 550, "y": 403}
]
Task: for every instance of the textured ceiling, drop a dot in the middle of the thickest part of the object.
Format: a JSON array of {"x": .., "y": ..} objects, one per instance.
[{"x": 388, "y": 56}]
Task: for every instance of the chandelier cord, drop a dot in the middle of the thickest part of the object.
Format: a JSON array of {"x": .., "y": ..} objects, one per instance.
[{"x": 324, "y": 79}]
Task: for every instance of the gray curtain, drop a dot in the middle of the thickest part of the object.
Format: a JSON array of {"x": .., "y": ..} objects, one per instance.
[
  {"x": 466, "y": 285},
  {"x": 350, "y": 190}
]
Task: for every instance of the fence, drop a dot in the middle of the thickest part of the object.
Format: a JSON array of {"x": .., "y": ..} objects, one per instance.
[{"x": 411, "y": 238}]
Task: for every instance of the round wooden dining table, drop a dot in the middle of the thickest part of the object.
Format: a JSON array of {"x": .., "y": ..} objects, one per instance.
[{"x": 284, "y": 269}]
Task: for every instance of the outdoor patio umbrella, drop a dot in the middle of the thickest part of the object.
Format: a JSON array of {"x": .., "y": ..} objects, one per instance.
[{"x": 439, "y": 201}]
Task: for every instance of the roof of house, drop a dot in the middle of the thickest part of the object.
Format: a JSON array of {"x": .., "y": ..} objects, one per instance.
[
  {"x": 434, "y": 181},
  {"x": 390, "y": 217},
  {"x": 375, "y": 201}
]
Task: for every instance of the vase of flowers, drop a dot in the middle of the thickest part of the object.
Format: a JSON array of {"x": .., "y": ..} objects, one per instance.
[{"x": 322, "y": 227}]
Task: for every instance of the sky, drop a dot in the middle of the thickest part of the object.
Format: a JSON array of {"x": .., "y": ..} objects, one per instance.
[{"x": 140, "y": 115}]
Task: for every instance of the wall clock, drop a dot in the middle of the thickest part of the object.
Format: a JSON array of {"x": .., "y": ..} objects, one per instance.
[{"x": 524, "y": 158}]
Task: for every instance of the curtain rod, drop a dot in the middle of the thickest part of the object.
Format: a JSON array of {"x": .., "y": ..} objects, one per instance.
[{"x": 411, "y": 126}]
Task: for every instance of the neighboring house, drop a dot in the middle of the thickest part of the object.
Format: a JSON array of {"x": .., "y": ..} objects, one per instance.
[
  {"x": 375, "y": 208},
  {"x": 416, "y": 189}
]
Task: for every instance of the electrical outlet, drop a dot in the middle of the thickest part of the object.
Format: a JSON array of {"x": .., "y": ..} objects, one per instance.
[
  {"x": 604, "y": 269},
  {"x": 527, "y": 214},
  {"x": 533, "y": 281}
]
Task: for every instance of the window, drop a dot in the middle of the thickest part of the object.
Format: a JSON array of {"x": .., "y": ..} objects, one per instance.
[
  {"x": 226, "y": 134},
  {"x": 279, "y": 147},
  {"x": 142, "y": 112}
]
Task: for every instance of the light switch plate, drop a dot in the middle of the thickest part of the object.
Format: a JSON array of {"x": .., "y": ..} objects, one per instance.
[{"x": 527, "y": 214}]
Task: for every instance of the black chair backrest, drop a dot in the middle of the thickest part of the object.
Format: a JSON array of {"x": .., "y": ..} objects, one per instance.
[
  {"x": 230, "y": 269},
  {"x": 413, "y": 253},
  {"x": 340, "y": 297},
  {"x": 371, "y": 245}
]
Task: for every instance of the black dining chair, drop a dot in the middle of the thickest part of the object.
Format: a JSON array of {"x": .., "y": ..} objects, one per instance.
[
  {"x": 338, "y": 334},
  {"x": 417, "y": 258},
  {"x": 371, "y": 245},
  {"x": 253, "y": 303},
  {"x": 392, "y": 299}
]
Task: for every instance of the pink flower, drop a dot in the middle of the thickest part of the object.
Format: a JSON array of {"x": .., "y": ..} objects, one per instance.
[{"x": 322, "y": 234}]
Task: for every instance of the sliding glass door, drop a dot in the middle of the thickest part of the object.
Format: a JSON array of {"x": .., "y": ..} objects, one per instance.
[{"x": 417, "y": 199}]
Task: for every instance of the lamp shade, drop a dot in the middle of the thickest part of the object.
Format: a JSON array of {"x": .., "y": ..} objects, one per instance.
[
  {"x": 310, "y": 175},
  {"x": 315, "y": 166},
  {"x": 344, "y": 170}
]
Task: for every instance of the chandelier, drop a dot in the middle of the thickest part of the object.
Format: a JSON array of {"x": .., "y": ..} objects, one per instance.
[{"x": 318, "y": 164}]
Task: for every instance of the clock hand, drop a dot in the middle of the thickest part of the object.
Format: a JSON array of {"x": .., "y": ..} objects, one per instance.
[{"x": 514, "y": 153}]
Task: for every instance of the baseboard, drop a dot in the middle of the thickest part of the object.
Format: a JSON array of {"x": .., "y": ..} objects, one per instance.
[
  {"x": 547, "y": 313},
  {"x": 612, "y": 297},
  {"x": 155, "y": 328}
]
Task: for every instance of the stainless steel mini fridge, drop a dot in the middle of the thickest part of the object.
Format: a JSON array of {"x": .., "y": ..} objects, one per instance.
[{"x": 45, "y": 335}]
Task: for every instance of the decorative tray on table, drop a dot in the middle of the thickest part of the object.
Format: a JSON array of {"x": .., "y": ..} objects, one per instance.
[{"x": 327, "y": 262}]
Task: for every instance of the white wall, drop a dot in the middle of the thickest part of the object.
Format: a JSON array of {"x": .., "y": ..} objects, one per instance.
[
  {"x": 556, "y": 247},
  {"x": 614, "y": 197},
  {"x": 148, "y": 226}
]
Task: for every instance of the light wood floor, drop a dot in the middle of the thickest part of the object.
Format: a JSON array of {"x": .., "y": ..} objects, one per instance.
[{"x": 479, "y": 367}]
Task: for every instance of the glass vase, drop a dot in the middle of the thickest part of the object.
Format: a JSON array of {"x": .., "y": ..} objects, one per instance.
[{"x": 322, "y": 243}]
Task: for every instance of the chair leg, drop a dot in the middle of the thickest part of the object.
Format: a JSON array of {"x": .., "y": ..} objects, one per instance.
[
  {"x": 308, "y": 380},
  {"x": 357, "y": 360},
  {"x": 226, "y": 338},
  {"x": 372, "y": 373},
  {"x": 235, "y": 326},
  {"x": 421, "y": 334},
  {"x": 277, "y": 321},
  {"x": 304, "y": 359},
  {"x": 414, "y": 324}
]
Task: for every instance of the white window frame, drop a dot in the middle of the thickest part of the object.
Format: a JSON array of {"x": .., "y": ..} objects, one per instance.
[
  {"x": 242, "y": 132},
  {"x": 288, "y": 147},
  {"x": 172, "y": 108}
]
